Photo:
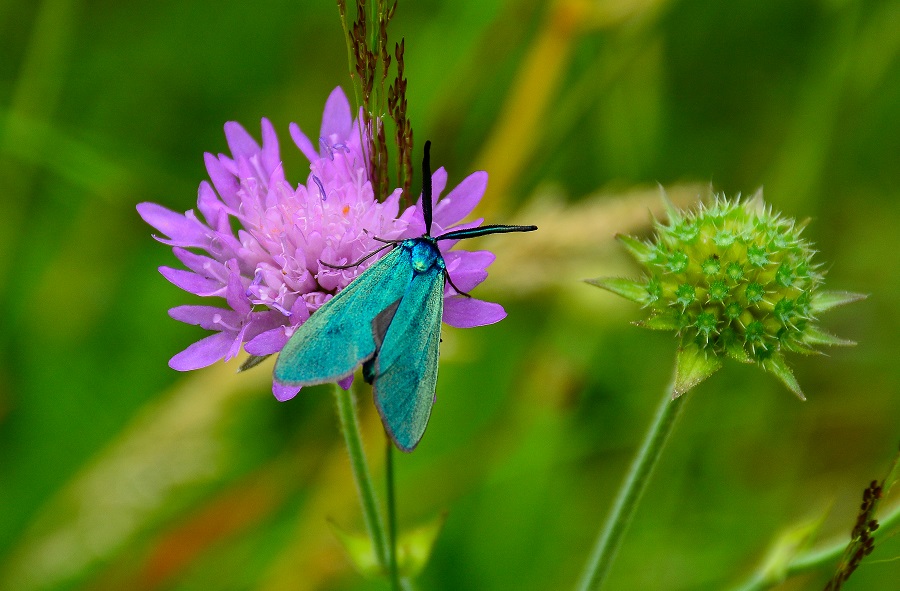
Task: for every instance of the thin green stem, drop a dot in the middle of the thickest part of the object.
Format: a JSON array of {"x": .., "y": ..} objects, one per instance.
[
  {"x": 633, "y": 487},
  {"x": 392, "y": 513},
  {"x": 351, "y": 62},
  {"x": 813, "y": 559},
  {"x": 765, "y": 578},
  {"x": 346, "y": 404},
  {"x": 373, "y": 27}
]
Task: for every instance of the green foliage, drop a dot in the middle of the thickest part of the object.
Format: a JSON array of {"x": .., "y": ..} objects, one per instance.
[
  {"x": 103, "y": 105},
  {"x": 414, "y": 547}
]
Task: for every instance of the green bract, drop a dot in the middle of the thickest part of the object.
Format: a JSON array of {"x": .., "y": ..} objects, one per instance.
[{"x": 733, "y": 279}]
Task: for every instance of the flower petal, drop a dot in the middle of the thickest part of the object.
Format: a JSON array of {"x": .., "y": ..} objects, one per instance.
[
  {"x": 446, "y": 245},
  {"x": 192, "y": 282},
  {"x": 465, "y": 280},
  {"x": 270, "y": 155},
  {"x": 236, "y": 293},
  {"x": 299, "y": 313},
  {"x": 438, "y": 184},
  {"x": 468, "y": 259},
  {"x": 416, "y": 217},
  {"x": 182, "y": 229},
  {"x": 236, "y": 343},
  {"x": 230, "y": 165},
  {"x": 202, "y": 265},
  {"x": 260, "y": 322},
  {"x": 463, "y": 312},
  {"x": 239, "y": 141},
  {"x": 267, "y": 343},
  {"x": 209, "y": 317},
  {"x": 461, "y": 200},
  {"x": 336, "y": 120},
  {"x": 227, "y": 186},
  {"x": 212, "y": 208},
  {"x": 303, "y": 143},
  {"x": 467, "y": 269},
  {"x": 284, "y": 393},
  {"x": 203, "y": 353}
]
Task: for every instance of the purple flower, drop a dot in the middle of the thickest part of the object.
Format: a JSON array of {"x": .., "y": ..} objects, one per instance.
[{"x": 270, "y": 272}]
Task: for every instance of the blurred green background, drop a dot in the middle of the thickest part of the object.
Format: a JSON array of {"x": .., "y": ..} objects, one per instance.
[{"x": 119, "y": 473}]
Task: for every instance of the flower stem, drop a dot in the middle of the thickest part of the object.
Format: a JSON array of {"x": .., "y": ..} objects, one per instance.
[
  {"x": 350, "y": 426},
  {"x": 392, "y": 513},
  {"x": 633, "y": 487}
]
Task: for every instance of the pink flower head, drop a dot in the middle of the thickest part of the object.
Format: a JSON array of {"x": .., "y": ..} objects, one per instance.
[{"x": 270, "y": 272}]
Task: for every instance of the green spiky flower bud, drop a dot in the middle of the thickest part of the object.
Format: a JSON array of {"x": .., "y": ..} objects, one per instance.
[{"x": 732, "y": 279}]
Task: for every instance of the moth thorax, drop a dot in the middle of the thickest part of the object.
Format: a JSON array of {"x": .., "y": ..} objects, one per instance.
[{"x": 425, "y": 255}]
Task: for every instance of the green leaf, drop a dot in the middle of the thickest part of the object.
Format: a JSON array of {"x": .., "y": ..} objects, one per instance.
[
  {"x": 736, "y": 351},
  {"x": 639, "y": 249},
  {"x": 789, "y": 544},
  {"x": 414, "y": 546},
  {"x": 359, "y": 549},
  {"x": 800, "y": 347},
  {"x": 777, "y": 366},
  {"x": 813, "y": 335},
  {"x": 664, "y": 321},
  {"x": 826, "y": 300},
  {"x": 692, "y": 366},
  {"x": 627, "y": 288}
]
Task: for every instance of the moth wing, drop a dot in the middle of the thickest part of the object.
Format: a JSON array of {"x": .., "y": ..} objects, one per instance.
[
  {"x": 406, "y": 366},
  {"x": 338, "y": 336},
  {"x": 379, "y": 328}
]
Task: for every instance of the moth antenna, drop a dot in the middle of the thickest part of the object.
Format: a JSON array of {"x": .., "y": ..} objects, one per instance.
[
  {"x": 458, "y": 290},
  {"x": 359, "y": 262},
  {"x": 483, "y": 231},
  {"x": 426, "y": 187},
  {"x": 383, "y": 240}
]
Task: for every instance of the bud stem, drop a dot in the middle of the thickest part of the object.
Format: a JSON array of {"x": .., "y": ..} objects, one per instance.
[{"x": 633, "y": 487}]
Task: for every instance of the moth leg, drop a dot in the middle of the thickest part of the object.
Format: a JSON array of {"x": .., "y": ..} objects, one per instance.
[
  {"x": 360, "y": 261},
  {"x": 456, "y": 289}
]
